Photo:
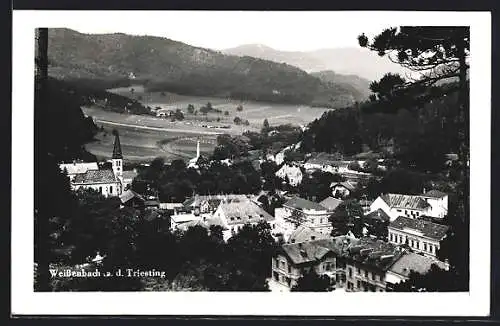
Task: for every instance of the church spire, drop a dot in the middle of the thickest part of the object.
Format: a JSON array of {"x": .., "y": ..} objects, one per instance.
[{"x": 117, "y": 149}]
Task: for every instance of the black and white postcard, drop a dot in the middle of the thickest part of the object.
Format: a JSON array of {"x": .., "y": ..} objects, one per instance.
[{"x": 251, "y": 163}]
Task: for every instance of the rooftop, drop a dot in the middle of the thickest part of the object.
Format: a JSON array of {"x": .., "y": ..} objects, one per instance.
[
  {"x": 346, "y": 184},
  {"x": 435, "y": 194},
  {"x": 78, "y": 167},
  {"x": 242, "y": 212},
  {"x": 405, "y": 201},
  {"x": 95, "y": 176},
  {"x": 310, "y": 251},
  {"x": 303, "y": 233},
  {"x": 303, "y": 204},
  {"x": 325, "y": 159},
  {"x": 411, "y": 261},
  {"x": 330, "y": 203},
  {"x": 428, "y": 229},
  {"x": 128, "y": 195},
  {"x": 375, "y": 253},
  {"x": 379, "y": 214}
]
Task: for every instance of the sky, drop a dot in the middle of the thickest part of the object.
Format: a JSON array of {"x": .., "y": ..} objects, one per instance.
[{"x": 286, "y": 31}]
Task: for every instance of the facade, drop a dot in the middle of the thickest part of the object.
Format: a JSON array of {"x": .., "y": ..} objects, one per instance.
[
  {"x": 396, "y": 205},
  {"x": 420, "y": 235},
  {"x": 291, "y": 172},
  {"x": 324, "y": 256},
  {"x": 298, "y": 211},
  {"x": 236, "y": 213},
  {"x": 367, "y": 264},
  {"x": 432, "y": 204},
  {"x": 105, "y": 181}
]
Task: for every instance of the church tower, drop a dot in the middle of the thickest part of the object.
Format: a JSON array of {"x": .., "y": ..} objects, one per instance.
[{"x": 117, "y": 158}]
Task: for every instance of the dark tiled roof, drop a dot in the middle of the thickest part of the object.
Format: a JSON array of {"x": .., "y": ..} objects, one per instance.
[
  {"x": 379, "y": 214},
  {"x": 310, "y": 251},
  {"x": 95, "y": 176},
  {"x": 245, "y": 211},
  {"x": 303, "y": 233},
  {"x": 302, "y": 204},
  {"x": 375, "y": 253},
  {"x": 405, "y": 201},
  {"x": 330, "y": 203},
  {"x": 411, "y": 261},
  {"x": 428, "y": 229},
  {"x": 435, "y": 194}
]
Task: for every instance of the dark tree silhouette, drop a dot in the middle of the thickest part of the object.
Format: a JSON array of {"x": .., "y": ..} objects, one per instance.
[{"x": 312, "y": 282}]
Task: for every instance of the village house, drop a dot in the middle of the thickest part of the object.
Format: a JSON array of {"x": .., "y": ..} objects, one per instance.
[
  {"x": 324, "y": 256},
  {"x": 208, "y": 203},
  {"x": 304, "y": 233},
  {"x": 130, "y": 198},
  {"x": 431, "y": 204},
  {"x": 420, "y": 235},
  {"x": 324, "y": 162},
  {"x": 410, "y": 262},
  {"x": 342, "y": 189},
  {"x": 290, "y": 172},
  {"x": 367, "y": 264},
  {"x": 233, "y": 214},
  {"x": 298, "y": 211},
  {"x": 108, "y": 182}
]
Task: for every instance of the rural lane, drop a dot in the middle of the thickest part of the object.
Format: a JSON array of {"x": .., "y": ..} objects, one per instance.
[{"x": 189, "y": 131}]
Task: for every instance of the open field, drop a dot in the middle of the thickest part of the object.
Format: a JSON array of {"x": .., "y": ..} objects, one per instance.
[
  {"x": 254, "y": 112},
  {"x": 145, "y": 137}
]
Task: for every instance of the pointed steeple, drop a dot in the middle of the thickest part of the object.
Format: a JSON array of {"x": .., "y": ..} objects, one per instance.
[{"x": 117, "y": 149}]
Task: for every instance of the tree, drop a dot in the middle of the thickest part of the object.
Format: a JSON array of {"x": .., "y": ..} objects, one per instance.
[
  {"x": 436, "y": 54},
  {"x": 237, "y": 120},
  {"x": 226, "y": 112},
  {"x": 178, "y": 115},
  {"x": 190, "y": 108},
  {"x": 265, "y": 127},
  {"x": 239, "y": 108},
  {"x": 312, "y": 282}
]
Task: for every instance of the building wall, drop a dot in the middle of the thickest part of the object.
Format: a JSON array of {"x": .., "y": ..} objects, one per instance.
[
  {"x": 359, "y": 278},
  {"x": 395, "y": 212},
  {"x": 106, "y": 189},
  {"x": 439, "y": 206},
  {"x": 427, "y": 246},
  {"x": 379, "y": 203},
  {"x": 287, "y": 274}
]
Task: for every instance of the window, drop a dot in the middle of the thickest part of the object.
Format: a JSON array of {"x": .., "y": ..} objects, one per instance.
[
  {"x": 350, "y": 272},
  {"x": 418, "y": 213},
  {"x": 358, "y": 284},
  {"x": 400, "y": 239},
  {"x": 425, "y": 246},
  {"x": 366, "y": 274},
  {"x": 283, "y": 264},
  {"x": 417, "y": 244},
  {"x": 110, "y": 189},
  {"x": 399, "y": 210},
  {"x": 406, "y": 212},
  {"x": 289, "y": 269},
  {"x": 321, "y": 221},
  {"x": 431, "y": 248},
  {"x": 100, "y": 190},
  {"x": 373, "y": 276}
]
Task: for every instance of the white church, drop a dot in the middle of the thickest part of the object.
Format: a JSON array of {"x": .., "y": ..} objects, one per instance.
[{"x": 87, "y": 175}]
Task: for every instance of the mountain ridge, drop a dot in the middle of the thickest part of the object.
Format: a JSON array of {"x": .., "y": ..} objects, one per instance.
[{"x": 162, "y": 64}]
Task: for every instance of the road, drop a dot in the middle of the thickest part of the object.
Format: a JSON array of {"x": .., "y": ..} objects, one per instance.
[{"x": 188, "y": 131}]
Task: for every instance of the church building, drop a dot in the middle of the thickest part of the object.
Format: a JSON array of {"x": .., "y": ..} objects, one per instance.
[{"x": 109, "y": 182}]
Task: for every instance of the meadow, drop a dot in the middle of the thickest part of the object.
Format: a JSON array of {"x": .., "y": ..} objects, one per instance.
[{"x": 145, "y": 137}]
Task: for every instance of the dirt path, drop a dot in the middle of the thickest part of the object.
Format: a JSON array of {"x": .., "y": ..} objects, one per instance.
[{"x": 188, "y": 131}]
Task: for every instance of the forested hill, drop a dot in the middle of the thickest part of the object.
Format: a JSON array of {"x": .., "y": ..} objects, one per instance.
[
  {"x": 161, "y": 64},
  {"x": 358, "y": 86},
  {"x": 418, "y": 135}
]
